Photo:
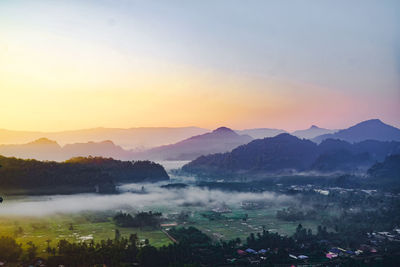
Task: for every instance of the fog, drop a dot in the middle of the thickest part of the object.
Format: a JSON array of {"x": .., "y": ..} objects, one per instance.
[{"x": 131, "y": 198}]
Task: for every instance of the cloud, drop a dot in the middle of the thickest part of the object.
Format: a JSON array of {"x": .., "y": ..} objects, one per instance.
[{"x": 154, "y": 196}]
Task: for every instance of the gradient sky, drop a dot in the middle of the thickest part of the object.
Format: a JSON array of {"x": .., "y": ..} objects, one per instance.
[{"x": 242, "y": 64}]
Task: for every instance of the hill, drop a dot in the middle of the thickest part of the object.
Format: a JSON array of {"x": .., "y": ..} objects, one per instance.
[
  {"x": 220, "y": 140},
  {"x": 40, "y": 149},
  {"x": 312, "y": 132},
  {"x": 45, "y": 149},
  {"x": 100, "y": 149},
  {"x": 385, "y": 174},
  {"x": 286, "y": 154},
  {"x": 259, "y": 133},
  {"x": 389, "y": 168},
  {"x": 76, "y": 175},
  {"x": 367, "y": 130},
  {"x": 130, "y": 138}
]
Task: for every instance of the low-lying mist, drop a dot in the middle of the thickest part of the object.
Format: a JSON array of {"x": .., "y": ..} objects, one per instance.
[{"x": 132, "y": 198}]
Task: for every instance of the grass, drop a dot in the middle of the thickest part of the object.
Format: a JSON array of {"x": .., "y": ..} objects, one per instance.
[
  {"x": 58, "y": 227},
  {"x": 233, "y": 226},
  {"x": 100, "y": 226}
]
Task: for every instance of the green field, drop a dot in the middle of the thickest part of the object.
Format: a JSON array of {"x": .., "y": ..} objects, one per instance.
[
  {"x": 84, "y": 227},
  {"x": 99, "y": 226},
  {"x": 234, "y": 226}
]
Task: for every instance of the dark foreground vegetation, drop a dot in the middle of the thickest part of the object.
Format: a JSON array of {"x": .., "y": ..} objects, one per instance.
[
  {"x": 194, "y": 248},
  {"x": 81, "y": 174}
]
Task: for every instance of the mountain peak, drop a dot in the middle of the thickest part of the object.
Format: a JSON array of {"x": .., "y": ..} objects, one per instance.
[
  {"x": 373, "y": 129},
  {"x": 223, "y": 130},
  {"x": 107, "y": 142},
  {"x": 43, "y": 141},
  {"x": 284, "y": 137},
  {"x": 314, "y": 127},
  {"x": 371, "y": 122}
]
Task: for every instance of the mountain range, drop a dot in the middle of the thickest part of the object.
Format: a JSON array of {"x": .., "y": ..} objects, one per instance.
[
  {"x": 45, "y": 149},
  {"x": 286, "y": 153},
  {"x": 220, "y": 140},
  {"x": 191, "y": 142},
  {"x": 259, "y": 133},
  {"x": 367, "y": 130},
  {"x": 131, "y": 138},
  {"x": 312, "y": 132}
]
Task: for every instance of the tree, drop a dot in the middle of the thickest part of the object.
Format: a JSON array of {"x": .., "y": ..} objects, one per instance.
[
  {"x": 9, "y": 249},
  {"x": 48, "y": 249},
  {"x": 32, "y": 250},
  {"x": 146, "y": 256},
  {"x": 117, "y": 234}
]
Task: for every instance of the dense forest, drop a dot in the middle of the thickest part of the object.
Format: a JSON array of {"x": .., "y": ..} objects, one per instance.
[
  {"x": 194, "y": 248},
  {"x": 285, "y": 154},
  {"x": 141, "y": 219},
  {"x": 81, "y": 174}
]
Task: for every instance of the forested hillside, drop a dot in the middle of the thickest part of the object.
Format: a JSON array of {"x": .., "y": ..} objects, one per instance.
[{"x": 80, "y": 174}]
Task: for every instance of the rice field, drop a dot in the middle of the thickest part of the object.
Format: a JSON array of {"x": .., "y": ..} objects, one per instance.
[{"x": 98, "y": 226}]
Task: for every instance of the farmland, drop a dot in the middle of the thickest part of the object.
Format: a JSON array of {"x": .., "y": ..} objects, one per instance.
[{"x": 98, "y": 226}]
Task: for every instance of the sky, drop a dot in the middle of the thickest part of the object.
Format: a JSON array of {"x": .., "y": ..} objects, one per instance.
[{"x": 243, "y": 64}]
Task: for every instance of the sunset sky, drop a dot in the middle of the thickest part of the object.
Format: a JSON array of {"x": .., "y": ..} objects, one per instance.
[{"x": 242, "y": 64}]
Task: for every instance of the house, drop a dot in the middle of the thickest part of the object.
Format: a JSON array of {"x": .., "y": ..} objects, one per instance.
[
  {"x": 331, "y": 255},
  {"x": 262, "y": 251},
  {"x": 335, "y": 250},
  {"x": 241, "y": 252},
  {"x": 358, "y": 252},
  {"x": 252, "y": 251},
  {"x": 302, "y": 257},
  {"x": 168, "y": 224}
]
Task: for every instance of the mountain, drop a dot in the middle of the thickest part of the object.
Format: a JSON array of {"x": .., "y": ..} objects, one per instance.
[
  {"x": 286, "y": 153},
  {"x": 96, "y": 149},
  {"x": 271, "y": 154},
  {"x": 40, "y": 149},
  {"x": 367, "y": 130},
  {"x": 312, "y": 132},
  {"x": 77, "y": 175},
  {"x": 389, "y": 168},
  {"x": 131, "y": 138},
  {"x": 220, "y": 140},
  {"x": 260, "y": 133},
  {"x": 385, "y": 174},
  {"x": 45, "y": 149}
]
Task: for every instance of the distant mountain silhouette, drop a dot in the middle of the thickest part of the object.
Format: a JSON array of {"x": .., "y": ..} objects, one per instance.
[
  {"x": 40, "y": 149},
  {"x": 367, "y": 130},
  {"x": 131, "y": 138},
  {"x": 220, "y": 140},
  {"x": 259, "y": 133},
  {"x": 286, "y": 153},
  {"x": 45, "y": 149},
  {"x": 312, "y": 132},
  {"x": 99, "y": 149}
]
